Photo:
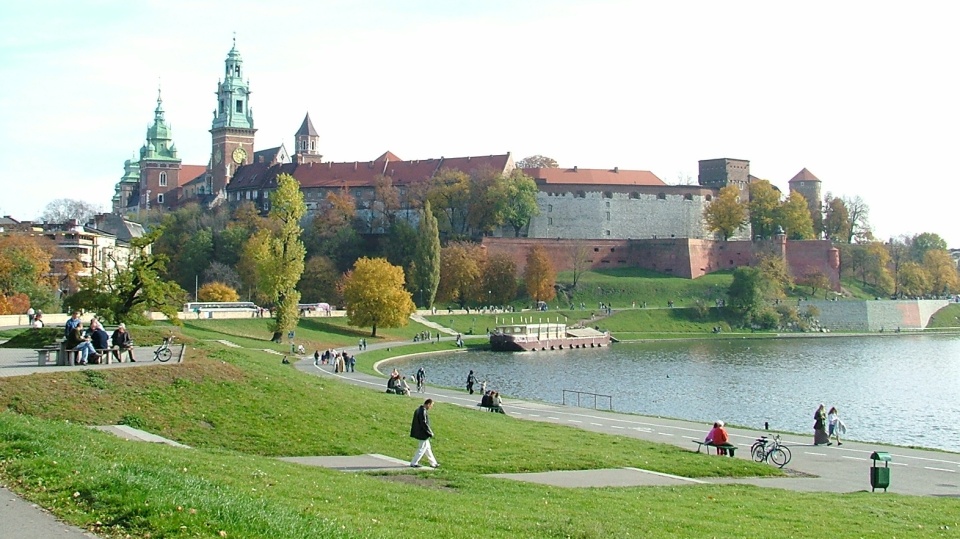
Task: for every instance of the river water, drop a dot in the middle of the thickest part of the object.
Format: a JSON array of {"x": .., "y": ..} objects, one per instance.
[{"x": 896, "y": 389}]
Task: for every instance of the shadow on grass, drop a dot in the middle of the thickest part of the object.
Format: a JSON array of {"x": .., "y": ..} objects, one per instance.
[{"x": 327, "y": 327}]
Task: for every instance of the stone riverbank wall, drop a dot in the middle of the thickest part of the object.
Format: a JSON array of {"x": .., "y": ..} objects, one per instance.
[{"x": 885, "y": 315}]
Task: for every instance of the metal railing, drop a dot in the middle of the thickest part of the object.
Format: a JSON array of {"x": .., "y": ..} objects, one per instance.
[{"x": 596, "y": 397}]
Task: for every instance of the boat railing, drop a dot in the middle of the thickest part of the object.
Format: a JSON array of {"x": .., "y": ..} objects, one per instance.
[{"x": 587, "y": 395}]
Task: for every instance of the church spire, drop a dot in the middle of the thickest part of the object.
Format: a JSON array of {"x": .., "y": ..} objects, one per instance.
[
  {"x": 233, "y": 95},
  {"x": 159, "y": 145}
]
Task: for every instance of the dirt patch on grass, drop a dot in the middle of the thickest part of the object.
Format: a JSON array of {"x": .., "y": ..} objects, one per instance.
[{"x": 419, "y": 480}]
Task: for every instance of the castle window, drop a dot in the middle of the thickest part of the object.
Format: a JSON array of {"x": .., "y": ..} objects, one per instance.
[
  {"x": 313, "y": 145},
  {"x": 549, "y": 207},
  {"x": 163, "y": 179},
  {"x": 688, "y": 196},
  {"x": 661, "y": 196},
  {"x": 549, "y": 220},
  {"x": 221, "y": 106},
  {"x": 606, "y": 232},
  {"x": 596, "y": 249},
  {"x": 635, "y": 195},
  {"x": 608, "y": 194},
  {"x": 608, "y": 204},
  {"x": 160, "y": 198},
  {"x": 608, "y": 216},
  {"x": 240, "y": 106}
]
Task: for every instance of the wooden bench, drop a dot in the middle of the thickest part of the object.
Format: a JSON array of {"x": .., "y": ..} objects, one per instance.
[{"x": 728, "y": 449}]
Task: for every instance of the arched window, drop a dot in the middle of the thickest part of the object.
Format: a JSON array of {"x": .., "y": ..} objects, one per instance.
[{"x": 163, "y": 179}]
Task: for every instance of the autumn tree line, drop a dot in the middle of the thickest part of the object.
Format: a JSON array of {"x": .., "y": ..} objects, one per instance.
[
  {"x": 906, "y": 266},
  {"x": 381, "y": 265}
]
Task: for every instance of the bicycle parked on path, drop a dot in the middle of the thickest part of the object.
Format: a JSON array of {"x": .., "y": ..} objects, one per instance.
[
  {"x": 164, "y": 353},
  {"x": 772, "y": 450}
]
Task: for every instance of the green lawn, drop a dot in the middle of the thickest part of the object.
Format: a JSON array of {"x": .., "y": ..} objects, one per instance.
[{"x": 240, "y": 407}]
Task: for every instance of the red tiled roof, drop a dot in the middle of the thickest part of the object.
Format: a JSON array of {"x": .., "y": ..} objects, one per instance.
[
  {"x": 804, "y": 176},
  {"x": 388, "y": 156},
  {"x": 359, "y": 173},
  {"x": 593, "y": 176},
  {"x": 191, "y": 172}
]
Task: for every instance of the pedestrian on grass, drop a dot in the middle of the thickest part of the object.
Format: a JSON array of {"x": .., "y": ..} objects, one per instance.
[{"x": 420, "y": 430}]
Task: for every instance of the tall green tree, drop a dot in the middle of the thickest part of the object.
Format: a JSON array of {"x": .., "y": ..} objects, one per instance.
[
  {"x": 726, "y": 214},
  {"x": 136, "y": 287},
  {"x": 280, "y": 260},
  {"x": 836, "y": 225},
  {"x": 425, "y": 268},
  {"x": 375, "y": 295},
  {"x": 795, "y": 218},
  {"x": 449, "y": 196},
  {"x": 925, "y": 242},
  {"x": 764, "y": 206},
  {"x": 518, "y": 193}
]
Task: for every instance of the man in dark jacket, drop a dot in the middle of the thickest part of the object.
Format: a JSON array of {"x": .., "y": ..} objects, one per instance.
[
  {"x": 122, "y": 342},
  {"x": 99, "y": 339},
  {"x": 420, "y": 429}
]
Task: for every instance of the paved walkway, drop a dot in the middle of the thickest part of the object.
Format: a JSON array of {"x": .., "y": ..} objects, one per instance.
[{"x": 812, "y": 469}]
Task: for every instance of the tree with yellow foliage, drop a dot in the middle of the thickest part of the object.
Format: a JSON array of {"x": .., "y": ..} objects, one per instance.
[
  {"x": 539, "y": 275},
  {"x": 217, "y": 291},
  {"x": 375, "y": 296}
]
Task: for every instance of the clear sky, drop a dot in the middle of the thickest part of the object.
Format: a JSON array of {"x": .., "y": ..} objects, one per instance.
[{"x": 863, "y": 94}]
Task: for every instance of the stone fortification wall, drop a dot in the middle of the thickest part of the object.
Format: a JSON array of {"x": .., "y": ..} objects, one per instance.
[
  {"x": 680, "y": 257},
  {"x": 814, "y": 256},
  {"x": 876, "y": 315},
  {"x": 643, "y": 213}
]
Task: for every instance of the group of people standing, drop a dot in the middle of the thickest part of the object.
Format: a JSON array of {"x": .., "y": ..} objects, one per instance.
[
  {"x": 827, "y": 425},
  {"x": 341, "y": 361}
]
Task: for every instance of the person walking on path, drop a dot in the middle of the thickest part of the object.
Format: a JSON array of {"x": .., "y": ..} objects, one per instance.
[
  {"x": 835, "y": 425},
  {"x": 471, "y": 379},
  {"x": 820, "y": 436},
  {"x": 420, "y": 430}
]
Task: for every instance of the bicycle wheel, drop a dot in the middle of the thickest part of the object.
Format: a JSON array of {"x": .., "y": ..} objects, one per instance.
[
  {"x": 758, "y": 453},
  {"x": 786, "y": 451},
  {"x": 778, "y": 457},
  {"x": 164, "y": 355}
]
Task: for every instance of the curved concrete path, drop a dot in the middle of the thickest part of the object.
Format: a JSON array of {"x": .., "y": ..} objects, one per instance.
[{"x": 812, "y": 468}]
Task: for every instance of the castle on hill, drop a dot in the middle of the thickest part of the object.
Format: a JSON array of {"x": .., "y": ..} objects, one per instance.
[{"x": 611, "y": 205}]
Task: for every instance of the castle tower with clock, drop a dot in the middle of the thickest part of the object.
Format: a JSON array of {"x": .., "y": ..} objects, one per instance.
[{"x": 232, "y": 130}]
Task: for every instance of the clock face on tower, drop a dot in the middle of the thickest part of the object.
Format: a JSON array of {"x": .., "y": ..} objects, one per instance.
[{"x": 239, "y": 155}]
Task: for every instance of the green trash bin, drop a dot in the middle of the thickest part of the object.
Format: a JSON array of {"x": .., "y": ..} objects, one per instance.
[{"x": 880, "y": 477}]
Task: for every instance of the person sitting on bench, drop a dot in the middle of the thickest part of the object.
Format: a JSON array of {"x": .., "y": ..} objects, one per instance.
[
  {"x": 396, "y": 384},
  {"x": 717, "y": 437},
  {"x": 100, "y": 341},
  {"x": 122, "y": 342}
]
